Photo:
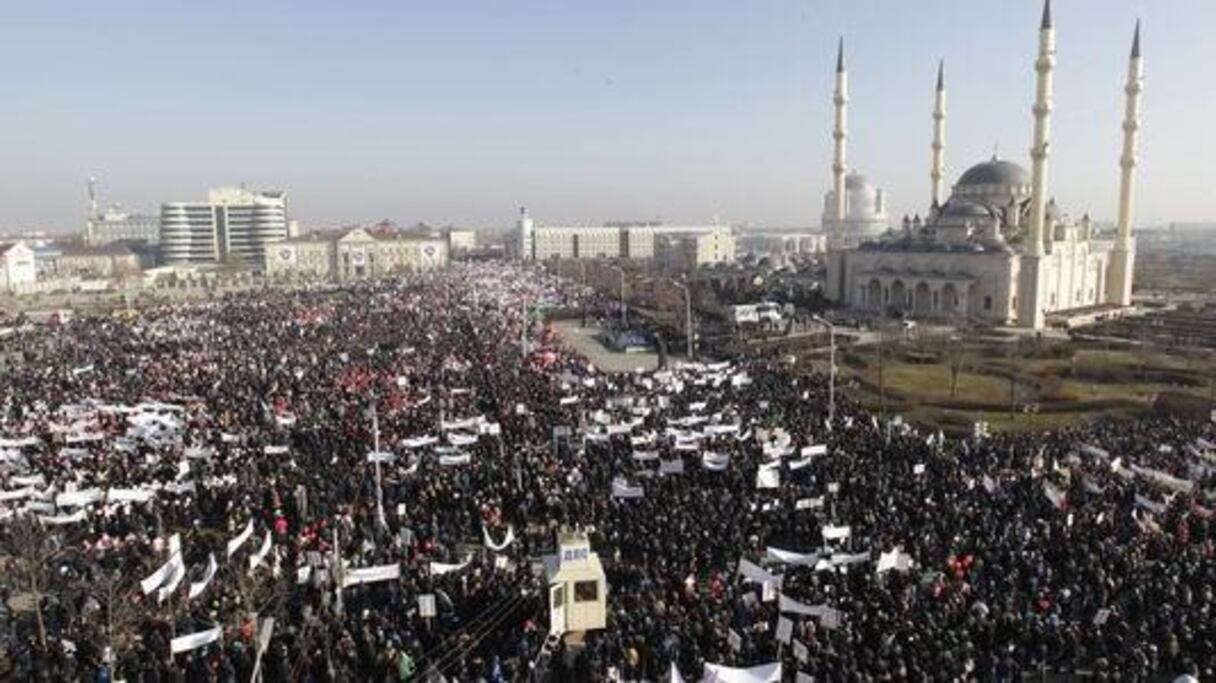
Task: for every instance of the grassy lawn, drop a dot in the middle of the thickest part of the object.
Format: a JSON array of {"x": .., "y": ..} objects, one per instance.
[{"x": 933, "y": 382}]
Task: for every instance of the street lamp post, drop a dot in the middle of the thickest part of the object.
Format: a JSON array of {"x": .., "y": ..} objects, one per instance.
[
  {"x": 687, "y": 318},
  {"x": 831, "y": 368},
  {"x": 624, "y": 311}
]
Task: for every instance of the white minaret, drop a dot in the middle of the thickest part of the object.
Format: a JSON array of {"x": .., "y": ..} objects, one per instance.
[
  {"x": 1030, "y": 307},
  {"x": 1039, "y": 153},
  {"x": 938, "y": 172},
  {"x": 1122, "y": 257},
  {"x": 840, "y": 134},
  {"x": 526, "y": 252}
]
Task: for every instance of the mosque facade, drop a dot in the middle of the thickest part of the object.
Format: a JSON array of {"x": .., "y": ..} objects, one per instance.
[{"x": 998, "y": 250}]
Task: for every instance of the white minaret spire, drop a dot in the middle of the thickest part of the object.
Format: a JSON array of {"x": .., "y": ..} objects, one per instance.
[
  {"x": 938, "y": 172},
  {"x": 1122, "y": 256},
  {"x": 1042, "y": 132},
  {"x": 841, "y": 135},
  {"x": 1032, "y": 303}
]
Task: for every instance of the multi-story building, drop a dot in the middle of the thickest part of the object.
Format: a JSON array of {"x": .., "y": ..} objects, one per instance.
[
  {"x": 634, "y": 240},
  {"x": 17, "y": 267},
  {"x": 233, "y": 226},
  {"x": 355, "y": 254},
  {"x": 688, "y": 251},
  {"x": 116, "y": 259},
  {"x": 115, "y": 225}
]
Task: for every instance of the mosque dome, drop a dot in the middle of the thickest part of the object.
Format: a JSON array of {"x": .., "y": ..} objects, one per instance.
[
  {"x": 857, "y": 182},
  {"x": 961, "y": 208},
  {"x": 995, "y": 172}
]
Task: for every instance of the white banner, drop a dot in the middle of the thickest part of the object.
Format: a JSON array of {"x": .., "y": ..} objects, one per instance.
[
  {"x": 768, "y": 477},
  {"x": 239, "y": 541},
  {"x": 19, "y": 494},
  {"x": 498, "y": 547},
  {"x": 256, "y": 558},
  {"x": 420, "y": 441},
  {"x": 790, "y": 557},
  {"x": 194, "y": 640},
  {"x": 438, "y": 568},
  {"x": 895, "y": 560},
  {"x": 455, "y": 460},
  {"x": 174, "y": 579},
  {"x": 380, "y": 457},
  {"x": 130, "y": 495},
  {"x": 809, "y": 503},
  {"x": 384, "y": 572},
  {"x": 622, "y": 489},
  {"x": 754, "y": 572},
  {"x": 197, "y": 588},
  {"x": 78, "y": 498},
  {"x": 674, "y": 466},
  {"x": 78, "y": 516},
  {"x": 157, "y": 578},
  {"x": 835, "y": 533},
  {"x": 720, "y": 673},
  {"x": 715, "y": 461}
]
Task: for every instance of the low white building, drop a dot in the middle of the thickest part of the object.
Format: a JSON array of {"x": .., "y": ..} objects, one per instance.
[{"x": 17, "y": 267}]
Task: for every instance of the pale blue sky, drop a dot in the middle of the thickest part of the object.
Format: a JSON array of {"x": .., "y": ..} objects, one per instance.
[{"x": 585, "y": 111}]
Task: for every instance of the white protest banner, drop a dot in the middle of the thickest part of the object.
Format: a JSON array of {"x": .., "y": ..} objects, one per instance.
[
  {"x": 256, "y": 558},
  {"x": 1151, "y": 505},
  {"x": 622, "y": 489},
  {"x": 1101, "y": 617},
  {"x": 785, "y": 630},
  {"x": 303, "y": 574},
  {"x": 814, "y": 450},
  {"x": 384, "y": 572},
  {"x": 194, "y": 640},
  {"x": 420, "y": 441},
  {"x": 426, "y": 605},
  {"x": 174, "y": 578},
  {"x": 461, "y": 439},
  {"x": 674, "y": 466},
  {"x": 455, "y": 460},
  {"x": 673, "y": 675},
  {"x": 1095, "y": 451},
  {"x": 24, "y": 442},
  {"x": 156, "y": 578},
  {"x": 835, "y": 533},
  {"x": 30, "y": 480},
  {"x": 809, "y": 503},
  {"x": 19, "y": 494},
  {"x": 78, "y": 498},
  {"x": 380, "y": 457},
  {"x": 197, "y": 587},
  {"x": 1165, "y": 480},
  {"x": 645, "y": 456},
  {"x": 276, "y": 450},
  {"x": 769, "y": 591},
  {"x": 895, "y": 560},
  {"x": 720, "y": 673},
  {"x": 498, "y": 547},
  {"x": 466, "y": 423},
  {"x": 918, "y": 468},
  {"x": 130, "y": 495},
  {"x": 78, "y": 516},
  {"x": 715, "y": 462},
  {"x": 768, "y": 477},
  {"x": 755, "y": 573},
  {"x": 237, "y": 542},
  {"x": 439, "y": 568},
  {"x": 790, "y": 557},
  {"x": 845, "y": 559},
  {"x": 796, "y": 465}
]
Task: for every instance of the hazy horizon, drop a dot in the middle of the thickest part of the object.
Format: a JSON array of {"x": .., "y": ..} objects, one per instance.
[{"x": 585, "y": 113}]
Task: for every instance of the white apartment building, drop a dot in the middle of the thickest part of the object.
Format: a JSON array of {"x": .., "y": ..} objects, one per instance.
[
  {"x": 233, "y": 226},
  {"x": 17, "y": 267}
]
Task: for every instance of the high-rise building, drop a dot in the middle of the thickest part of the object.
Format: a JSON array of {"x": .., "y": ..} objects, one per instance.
[
  {"x": 114, "y": 225},
  {"x": 233, "y": 226}
]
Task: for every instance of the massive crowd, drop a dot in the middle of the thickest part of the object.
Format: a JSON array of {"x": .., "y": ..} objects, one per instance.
[{"x": 375, "y": 468}]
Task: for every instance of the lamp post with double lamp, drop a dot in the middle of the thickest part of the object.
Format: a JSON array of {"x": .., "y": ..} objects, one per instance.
[
  {"x": 832, "y": 366},
  {"x": 624, "y": 311},
  {"x": 687, "y": 317}
]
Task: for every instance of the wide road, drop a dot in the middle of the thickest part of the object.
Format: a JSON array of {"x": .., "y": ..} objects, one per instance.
[{"x": 583, "y": 340}]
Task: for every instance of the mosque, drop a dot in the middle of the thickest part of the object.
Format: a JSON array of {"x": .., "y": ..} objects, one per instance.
[{"x": 998, "y": 250}]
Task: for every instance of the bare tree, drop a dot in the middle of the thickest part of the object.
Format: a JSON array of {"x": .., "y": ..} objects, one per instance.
[
  {"x": 957, "y": 359},
  {"x": 28, "y": 553}
]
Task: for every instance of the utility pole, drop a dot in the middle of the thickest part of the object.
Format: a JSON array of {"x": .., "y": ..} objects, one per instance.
[
  {"x": 523, "y": 331},
  {"x": 379, "y": 479},
  {"x": 831, "y": 368},
  {"x": 687, "y": 318}
]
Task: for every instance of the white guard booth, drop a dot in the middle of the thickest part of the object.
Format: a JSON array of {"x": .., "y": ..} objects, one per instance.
[{"x": 577, "y": 590}]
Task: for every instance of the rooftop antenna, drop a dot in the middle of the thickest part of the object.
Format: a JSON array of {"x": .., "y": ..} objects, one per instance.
[{"x": 996, "y": 150}]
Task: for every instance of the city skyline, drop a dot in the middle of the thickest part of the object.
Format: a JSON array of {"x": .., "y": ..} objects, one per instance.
[{"x": 684, "y": 112}]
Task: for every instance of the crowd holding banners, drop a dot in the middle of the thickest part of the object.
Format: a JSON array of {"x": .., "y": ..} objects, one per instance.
[{"x": 739, "y": 531}]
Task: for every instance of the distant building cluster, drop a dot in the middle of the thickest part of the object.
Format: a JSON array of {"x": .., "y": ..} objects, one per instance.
[
  {"x": 233, "y": 230},
  {"x": 357, "y": 253},
  {"x": 679, "y": 247}
]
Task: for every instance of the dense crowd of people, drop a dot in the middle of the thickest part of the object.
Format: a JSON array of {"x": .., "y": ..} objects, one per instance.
[{"x": 357, "y": 483}]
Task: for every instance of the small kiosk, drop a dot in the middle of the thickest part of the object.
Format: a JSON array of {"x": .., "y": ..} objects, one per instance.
[{"x": 578, "y": 593}]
